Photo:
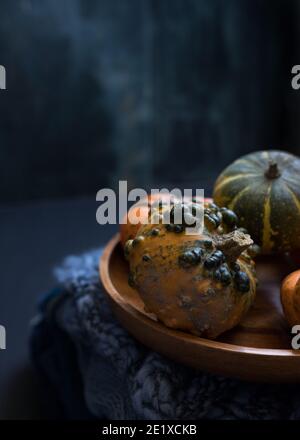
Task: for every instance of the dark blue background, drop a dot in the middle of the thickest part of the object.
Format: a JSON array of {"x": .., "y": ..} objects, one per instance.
[{"x": 151, "y": 91}]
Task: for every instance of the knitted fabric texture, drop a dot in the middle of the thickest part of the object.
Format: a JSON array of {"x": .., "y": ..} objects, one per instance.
[{"x": 122, "y": 379}]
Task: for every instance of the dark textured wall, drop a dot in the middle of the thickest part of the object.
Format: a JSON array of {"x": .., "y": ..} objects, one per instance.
[{"x": 151, "y": 91}]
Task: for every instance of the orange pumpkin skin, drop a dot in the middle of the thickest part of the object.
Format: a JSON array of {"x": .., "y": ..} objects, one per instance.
[
  {"x": 128, "y": 231},
  {"x": 189, "y": 298},
  {"x": 290, "y": 298}
]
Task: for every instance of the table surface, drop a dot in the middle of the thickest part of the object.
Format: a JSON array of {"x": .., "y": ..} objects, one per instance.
[{"x": 34, "y": 238}]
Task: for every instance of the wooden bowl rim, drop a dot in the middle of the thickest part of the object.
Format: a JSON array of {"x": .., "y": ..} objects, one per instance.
[{"x": 186, "y": 337}]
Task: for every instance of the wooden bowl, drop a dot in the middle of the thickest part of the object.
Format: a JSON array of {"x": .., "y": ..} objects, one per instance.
[{"x": 258, "y": 349}]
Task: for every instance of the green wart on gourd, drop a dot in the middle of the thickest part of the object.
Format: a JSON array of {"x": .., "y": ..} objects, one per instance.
[{"x": 220, "y": 267}]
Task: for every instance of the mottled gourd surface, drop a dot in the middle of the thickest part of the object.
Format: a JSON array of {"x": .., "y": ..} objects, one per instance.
[
  {"x": 203, "y": 283},
  {"x": 263, "y": 189},
  {"x": 141, "y": 212}
]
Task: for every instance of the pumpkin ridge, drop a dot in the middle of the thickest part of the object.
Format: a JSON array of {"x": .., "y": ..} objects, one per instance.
[
  {"x": 268, "y": 161},
  {"x": 246, "y": 162},
  {"x": 266, "y": 238},
  {"x": 295, "y": 200},
  {"x": 223, "y": 182},
  {"x": 293, "y": 185},
  {"x": 288, "y": 180},
  {"x": 265, "y": 155},
  {"x": 238, "y": 196},
  {"x": 254, "y": 162}
]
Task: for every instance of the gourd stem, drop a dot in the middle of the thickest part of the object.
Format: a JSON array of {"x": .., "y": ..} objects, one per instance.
[
  {"x": 273, "y": 171},
  {"x": 233, "y": 244}
]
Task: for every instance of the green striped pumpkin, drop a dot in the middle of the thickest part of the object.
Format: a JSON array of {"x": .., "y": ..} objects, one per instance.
[{"x": 263, "y": 188}]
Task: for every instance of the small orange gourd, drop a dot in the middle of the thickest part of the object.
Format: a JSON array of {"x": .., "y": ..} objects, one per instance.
[
  {"x": 202, "y": 283},
  {"x": 290, "y": 298}
]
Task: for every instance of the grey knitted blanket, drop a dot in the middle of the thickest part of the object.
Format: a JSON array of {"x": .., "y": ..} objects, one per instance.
[{"x": 121, "y": 379}]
